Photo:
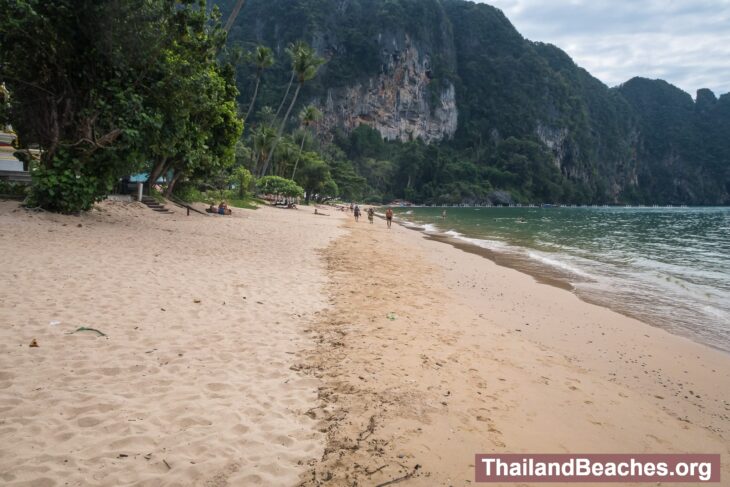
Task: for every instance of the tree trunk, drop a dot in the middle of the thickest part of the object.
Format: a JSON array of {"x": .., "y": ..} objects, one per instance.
[
  {"x": 234, "y": 14},
  {"x": 281, "y": 128},
  {"x": 296, "y": 163},
  {"x": 171, "y": 186},
  {"x": 253, "y": 100},
  {"x": 158, "y": 169},
  {"x": 286, "y": 95}
]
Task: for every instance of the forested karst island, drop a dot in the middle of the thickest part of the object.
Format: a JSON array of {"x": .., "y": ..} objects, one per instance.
[{"x": 443, "y": 101}]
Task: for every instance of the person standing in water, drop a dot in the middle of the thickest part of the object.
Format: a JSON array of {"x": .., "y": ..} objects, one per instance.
[
  {"x": 357, "y": 213},
  {"x": 443, "y": 215},
  {"x": 389, "y": 216}
]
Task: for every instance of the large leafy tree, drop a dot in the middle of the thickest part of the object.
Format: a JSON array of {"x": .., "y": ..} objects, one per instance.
[
  {"x": 103, "y": 86},
  {"x": 194, "y": 100},
  {"x": 74, "y": 68}
]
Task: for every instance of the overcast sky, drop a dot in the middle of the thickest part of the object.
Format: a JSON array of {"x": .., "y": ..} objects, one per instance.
[{"x": 686, "y": 42}]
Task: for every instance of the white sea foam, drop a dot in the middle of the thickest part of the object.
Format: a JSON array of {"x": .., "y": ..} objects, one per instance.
[
  {"x": 429, "y": 228},
  {"x": 558, "y": 264}
]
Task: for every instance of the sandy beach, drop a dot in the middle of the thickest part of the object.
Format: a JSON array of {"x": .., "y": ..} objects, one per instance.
[
  {"x": 192, "y": 383},
  {"x": 276, "y": 347},
  {"x": 430, "y": 354}
]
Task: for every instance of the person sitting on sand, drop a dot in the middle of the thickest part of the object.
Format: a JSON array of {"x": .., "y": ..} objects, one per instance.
[
  {"x": 223, "y": 209},
  {"x": 371, "y": 214},
  {"x": 389, "y": 216}
]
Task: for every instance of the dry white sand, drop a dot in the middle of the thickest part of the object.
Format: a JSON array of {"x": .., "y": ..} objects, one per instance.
[{"x": 192, "y": 384}]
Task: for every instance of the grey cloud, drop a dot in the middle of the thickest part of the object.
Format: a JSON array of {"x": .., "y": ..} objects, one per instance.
[{"x": 686, "y": 43}]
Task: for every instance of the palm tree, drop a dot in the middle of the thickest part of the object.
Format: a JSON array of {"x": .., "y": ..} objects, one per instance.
[
  {"x": 263, "y": 58},
  {"x": 290, "y": 50},
  {"x": 286, "y": 154},
  {"x": 234, "y": 14},
  {"x": 307, "y": 117},
  {"x": 304, "y": 63},
  {"x": 263, "y": 142}
]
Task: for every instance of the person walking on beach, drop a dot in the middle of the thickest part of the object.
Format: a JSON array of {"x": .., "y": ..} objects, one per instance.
[
  {"x": 357, "y": 213},
  {"x": 389, "y": 216},
  {"x": 371, "y": 214}
]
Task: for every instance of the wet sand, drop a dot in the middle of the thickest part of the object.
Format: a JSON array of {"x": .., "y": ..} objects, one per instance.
[{"x": 429, "y": 354}]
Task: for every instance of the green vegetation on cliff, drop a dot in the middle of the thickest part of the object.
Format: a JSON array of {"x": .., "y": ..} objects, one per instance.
[{"x": 530, "y": 122}]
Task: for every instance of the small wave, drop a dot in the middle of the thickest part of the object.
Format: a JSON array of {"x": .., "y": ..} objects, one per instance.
[
  {"x": 485, "y": 244},
  {"x": 429, "y": 228},
  {"x": 559, "y": 264}
]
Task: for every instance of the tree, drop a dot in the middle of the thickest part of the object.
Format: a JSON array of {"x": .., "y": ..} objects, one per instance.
[
  {"x": 263, "y": 141},
  {"x": 102, "y": 87},
  {"x": 242, "y": 179},
  {"x": 234, "y": 14},
  {"x": 307, "y": 117},
  {"x": 263, "y": 58},
  {"x": 279, "y": 186},
  {"x": 315, "y": 176},
  {"x": 74, "y": 68},
  {"x": 305, "y": 64},
  {"x": 194, "y": 99}
]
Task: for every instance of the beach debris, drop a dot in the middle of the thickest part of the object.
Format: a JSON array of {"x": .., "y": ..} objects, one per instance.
[
  {"x": 196, "y": 301},
  {"x": 33, "y": 343},
  {"x": 148, "y": 456},
  {"x": 368, "y": 431},
  {"x": 83, "y": 328},
  {"x": 122, "y": 455},
  {"x": 402, "y": 478},
  {"x": 79, "y": 225},
  {"x": 166, "y": 464},
  {"x": 368, "y": 472},
  {"x": 391, "y": 316},
  {"x": 54, "y": 323}
]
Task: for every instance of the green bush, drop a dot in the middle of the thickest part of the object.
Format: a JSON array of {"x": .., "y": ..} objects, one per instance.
[
  {"x": 65, "y": 187},
  {"x": 10, "y": 188},
  {"x": 188, "y": 192}
]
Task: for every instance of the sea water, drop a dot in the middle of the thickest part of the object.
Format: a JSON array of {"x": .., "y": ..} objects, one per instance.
[{"x": 669, "y": 267}]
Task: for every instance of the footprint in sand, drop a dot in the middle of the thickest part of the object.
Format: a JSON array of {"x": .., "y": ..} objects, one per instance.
[{"x": 88, "y": 422}]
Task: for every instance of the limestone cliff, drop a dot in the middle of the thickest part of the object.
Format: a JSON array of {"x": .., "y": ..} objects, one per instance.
[{"x": 399, "y": 102}]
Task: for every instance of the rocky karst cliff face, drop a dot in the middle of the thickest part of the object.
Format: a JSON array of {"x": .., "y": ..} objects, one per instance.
[
  {"x": 400, "y": 102},
  {"x": 512, "y": 114}
]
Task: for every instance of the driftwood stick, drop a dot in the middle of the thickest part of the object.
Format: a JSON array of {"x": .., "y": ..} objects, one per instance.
[{"x": 402, "y": 478}]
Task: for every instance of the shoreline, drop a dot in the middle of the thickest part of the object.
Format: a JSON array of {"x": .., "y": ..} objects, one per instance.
[
  {"x": 482, "y": 358},
  {"x": 550, "y": 275}
]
